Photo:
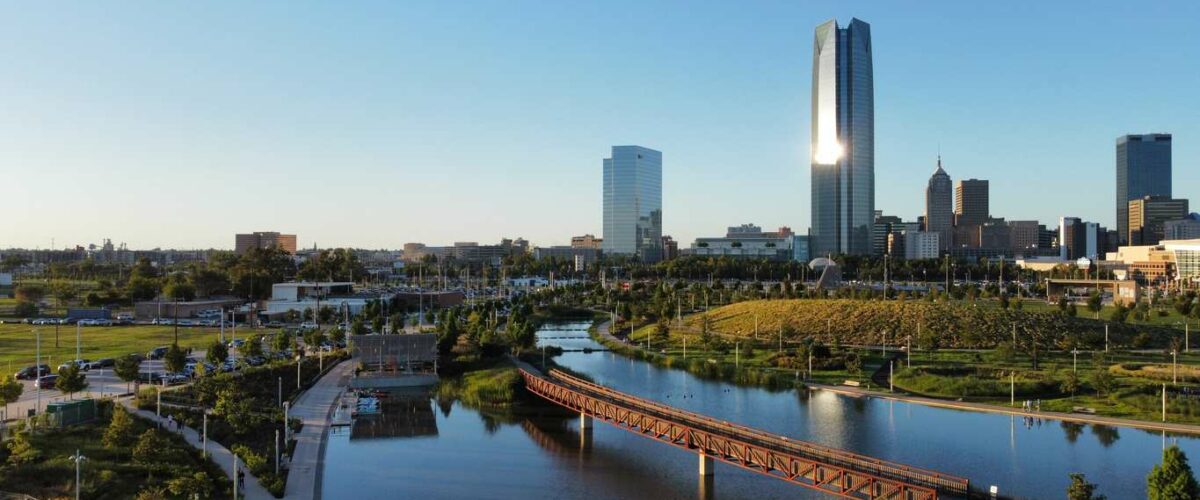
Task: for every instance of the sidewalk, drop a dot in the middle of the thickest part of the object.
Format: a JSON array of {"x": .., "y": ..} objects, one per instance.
[
  {"x": 217, "y": 453},
  {"x": 314, "y": 408}
]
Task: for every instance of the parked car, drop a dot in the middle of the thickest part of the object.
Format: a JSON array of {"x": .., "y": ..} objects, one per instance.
[
  {"x": 102, "y": 363},
  {"x": 81, "y": 363},
  {"x": 308, "y": 325},
  {"x": 136, "y": 355},
  {"x": 174, "y": 378},
  {"x": 30, "y": 372},
  {"x": 274, "y": 324},
  {"x": 157, "y": 352},
  {"x": 46, "y": 382},
  {"x": 124, "y": 319}
]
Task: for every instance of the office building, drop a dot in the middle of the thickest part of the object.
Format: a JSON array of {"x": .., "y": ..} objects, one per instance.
[
  {"x": 1187, "y": 228},
  {"x": 1147, "y": 216},
  {"x": 670, "y": 248},
  {"x": 939, "y": 205},
  {"x": 1072, "y": 238},
  {"x": 800, "y": 248},
  {"x": 586, "y": 241},
  {"x": 1143, "y": 169},
  {"x": 883, "y": 226},
  {"x": 843, "y": 140},
  {"x": 921, "y": 244},
  {"x": 264, "y": 240},
  {"x": 633, "y": 203},
  {"x": 970, "y": 202},
  {"x": 1023, "y": 235},
  {"x": 747, "y": 241}
]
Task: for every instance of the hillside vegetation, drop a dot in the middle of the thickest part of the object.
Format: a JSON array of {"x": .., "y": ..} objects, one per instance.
[{"x": 942, "y": 325}]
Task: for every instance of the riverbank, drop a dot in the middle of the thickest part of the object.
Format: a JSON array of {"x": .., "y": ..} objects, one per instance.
[{"x": 601, "y": 334}]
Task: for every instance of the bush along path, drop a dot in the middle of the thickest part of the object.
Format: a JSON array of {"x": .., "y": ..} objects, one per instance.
[{"x": 250, "y": 487}]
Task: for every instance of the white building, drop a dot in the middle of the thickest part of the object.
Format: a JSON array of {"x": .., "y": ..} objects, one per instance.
[{"x": 921, "y": 244}]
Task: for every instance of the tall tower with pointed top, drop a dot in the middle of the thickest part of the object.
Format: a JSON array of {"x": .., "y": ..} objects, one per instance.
[
  {"x": 939, "y": 206},
  {"x": 843, "y": 140}
]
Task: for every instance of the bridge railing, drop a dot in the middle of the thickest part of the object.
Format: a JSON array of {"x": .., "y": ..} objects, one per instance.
[{"x": 882, "y": 468}]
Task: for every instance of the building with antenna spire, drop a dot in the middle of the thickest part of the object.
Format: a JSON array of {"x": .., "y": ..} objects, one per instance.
[{"x": 939, "y": 206}]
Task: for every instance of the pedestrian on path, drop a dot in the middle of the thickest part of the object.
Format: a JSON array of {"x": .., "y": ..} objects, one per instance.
[{"x": 170, "y": 422}]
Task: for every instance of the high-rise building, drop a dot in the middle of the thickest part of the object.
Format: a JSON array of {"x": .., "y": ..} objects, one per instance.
[
  {"x": 1147, "y": 215},
  {"x": 1023, "y": 235},
  {"x": 970, "y": 202},
  {"x": 1072, "y": 238},
  {"x": 264, "y": 239},
  {"x": 843, "y": 140},
  {"x": 883, "y": 226},
  {"x": 633, "y": 203},
  {"x": 939, "y": 205},
  {"x": 1143, "y": 169}
]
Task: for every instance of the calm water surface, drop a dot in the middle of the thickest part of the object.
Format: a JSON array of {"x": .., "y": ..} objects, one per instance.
[{"x": 420, "y": 448}]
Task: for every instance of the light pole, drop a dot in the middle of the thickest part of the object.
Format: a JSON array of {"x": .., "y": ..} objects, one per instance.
[
  {"x": 1075, "y": 361},
  {"x": 37, "y": 368},
  {"x": 78, "y": 459},
  {"x": 1174, "y": 366}
]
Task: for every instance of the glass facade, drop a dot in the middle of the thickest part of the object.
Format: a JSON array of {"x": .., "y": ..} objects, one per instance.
[
  {"x": 633, "y": 203},
  {"x": 1143, "y": 169},
  {"x": 939, "y": 206},
  {"x": 843, "y": 140}
]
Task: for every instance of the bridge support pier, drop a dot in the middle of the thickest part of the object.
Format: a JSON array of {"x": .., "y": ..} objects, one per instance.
[
  {"x": 585, "y": 422},
  {"x": 706, "y": 465}
]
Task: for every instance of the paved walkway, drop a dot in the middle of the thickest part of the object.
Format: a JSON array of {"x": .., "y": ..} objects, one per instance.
[
  {"x": 315, "y": 408},
  {"x": 252, "y": 490}
]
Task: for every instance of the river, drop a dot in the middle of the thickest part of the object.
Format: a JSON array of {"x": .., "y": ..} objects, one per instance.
[{"x": 421, "y": 448}]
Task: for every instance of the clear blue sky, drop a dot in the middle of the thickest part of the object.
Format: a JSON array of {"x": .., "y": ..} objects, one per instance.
[{"x": 177, "y": 124}]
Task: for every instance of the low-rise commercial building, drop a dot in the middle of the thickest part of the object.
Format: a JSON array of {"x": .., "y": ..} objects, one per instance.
[
  {"x": 747, "y": 241},
  {"x": 264, "y": 239}
]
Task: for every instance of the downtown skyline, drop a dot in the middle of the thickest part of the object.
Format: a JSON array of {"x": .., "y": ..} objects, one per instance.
[{"x": 733, "y": 121}]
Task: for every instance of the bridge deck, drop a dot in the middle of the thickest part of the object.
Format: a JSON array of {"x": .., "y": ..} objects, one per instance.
[{"x": 814, "y": 466}]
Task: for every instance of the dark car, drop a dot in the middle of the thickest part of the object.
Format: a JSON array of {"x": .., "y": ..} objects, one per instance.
[
  {"x": 30, "y": 372},
  {"x": 139, "y": 357},
  {"x": 102, "y": 363},
  {"x": 46, "y": 382},
  {"x": 157, "y": 353}
]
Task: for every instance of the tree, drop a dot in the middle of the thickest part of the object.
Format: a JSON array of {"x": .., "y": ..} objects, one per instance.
[
  {"x": 141, "y": 288},
  {"x": 196, "y": 485},
  {"x": 70, "y": 380},
  {"x": 1062, "y": 304},
  {"x": 1172, "y": 479},
  {"x": 217, "y": 353},
  {"x": 313, "y": 339},
  {"x": 253, "y": 347},
  {"x": 1080, "y": 489},
  {"x": 10, "y": 391},
  {"x": 181, "y": 291},
  {"x": 30, "y": 293},
  {"x": 358, "y": 328},
  {"x": 1103, "y": 381},
  {"x": 1095, "y": 303},
  {"x": 175, "y": 359},
  {"x": 1070, "y": 384},
  {"x": 283, "y": 341},
  {"x": 237, "y": 410},
  {"x": 127, "y": 368},
  {"x": 155, "y": 451},
  {"x": 121, "y": 430},
  {"x": 662, "y": 332}
]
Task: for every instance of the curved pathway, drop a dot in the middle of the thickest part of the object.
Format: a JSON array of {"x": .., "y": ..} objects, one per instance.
[{"x": 218, "y": 454}]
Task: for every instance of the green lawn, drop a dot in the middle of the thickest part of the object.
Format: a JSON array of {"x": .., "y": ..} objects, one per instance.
[
  {"x": 17, "y": 344},
  {"x": 1172, "y": 319}
]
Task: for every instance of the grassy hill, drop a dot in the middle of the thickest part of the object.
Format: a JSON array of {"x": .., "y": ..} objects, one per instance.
[{"x": 951, "y": 325}]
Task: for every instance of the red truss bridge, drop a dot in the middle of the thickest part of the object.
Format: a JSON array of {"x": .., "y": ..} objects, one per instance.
[{"x": 805, "y": 464}]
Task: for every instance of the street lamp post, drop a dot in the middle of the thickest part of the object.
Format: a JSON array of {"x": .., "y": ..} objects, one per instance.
[
  {"x": 1075, "y": 361},
  {"x": 78, "y": 459},
  {"x": 1174, "y": 366}
]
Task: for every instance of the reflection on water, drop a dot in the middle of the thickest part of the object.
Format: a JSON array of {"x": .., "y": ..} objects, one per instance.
[
  {"x": 402, "y": 415},
  {"x": 540, "y": 451}
]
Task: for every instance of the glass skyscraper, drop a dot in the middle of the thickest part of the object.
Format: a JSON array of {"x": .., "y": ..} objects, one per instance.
[
  {"x": 633, "y": 203},
  {"x": 1143, "y": 169},
  {"x": 843, "y": 140}
]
